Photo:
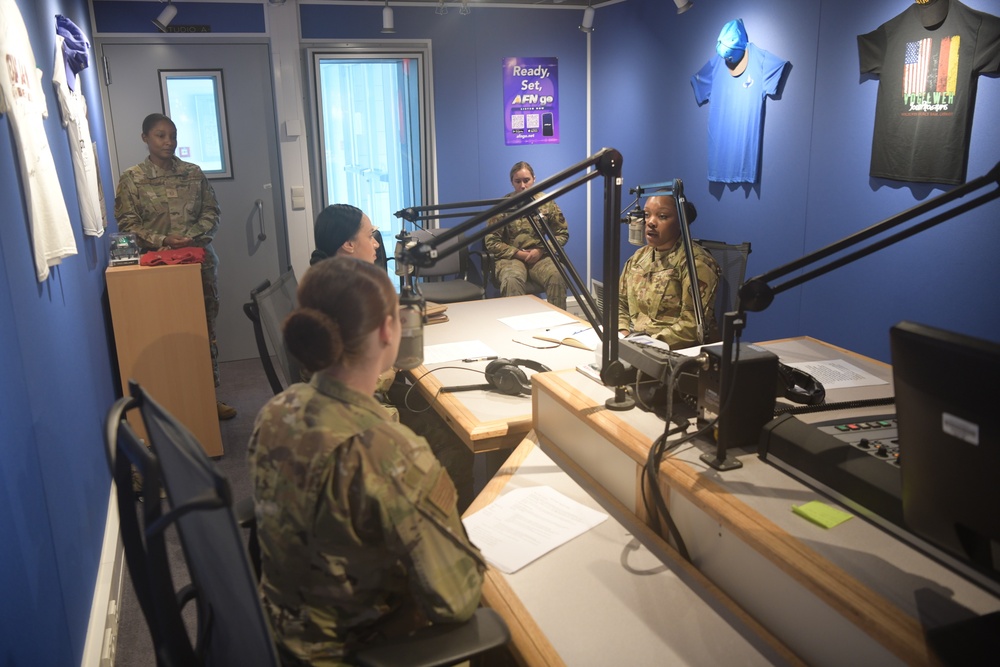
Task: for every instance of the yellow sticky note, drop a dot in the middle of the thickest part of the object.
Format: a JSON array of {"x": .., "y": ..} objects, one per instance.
[{"x": 821, "y": 514}]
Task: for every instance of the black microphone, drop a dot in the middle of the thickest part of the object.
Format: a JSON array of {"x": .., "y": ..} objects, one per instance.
[
  {"x": 403, "y": 242},
  {"x": 411, "y": 321}
]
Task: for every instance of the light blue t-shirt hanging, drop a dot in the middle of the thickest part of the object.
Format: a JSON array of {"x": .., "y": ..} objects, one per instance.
[{"x": 734, "y": 117}]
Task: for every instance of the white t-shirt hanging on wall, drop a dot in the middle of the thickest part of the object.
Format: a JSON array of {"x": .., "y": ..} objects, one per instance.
[
  {"x": 22, "y": 100},
  {"x": 73, "y": 106}
]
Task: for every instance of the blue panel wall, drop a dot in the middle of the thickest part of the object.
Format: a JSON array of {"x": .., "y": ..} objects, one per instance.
[
  {"x": 473, "y": 162},
  {"x": 814, "y": 187},
  {"x": 57, "y": 384}
]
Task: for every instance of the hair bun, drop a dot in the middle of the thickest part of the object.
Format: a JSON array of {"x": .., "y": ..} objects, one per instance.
[
  {"x": 313, "y": 338},
  {"x": 317, "y": 256}
]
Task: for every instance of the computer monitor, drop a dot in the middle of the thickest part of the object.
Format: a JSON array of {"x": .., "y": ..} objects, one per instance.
[{"x": 949, "y": 439}]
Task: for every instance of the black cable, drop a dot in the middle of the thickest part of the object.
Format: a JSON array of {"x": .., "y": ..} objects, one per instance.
[
  {"x": 655, "y": 456},
  {"x": 842, "y": 405},
  {"x": 430, "y": 403}
]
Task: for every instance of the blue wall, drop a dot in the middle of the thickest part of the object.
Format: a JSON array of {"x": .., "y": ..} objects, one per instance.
[
  {"x": 57, "y": 384},
  {"x": 814, "y": 187},
  {"x": 467, "y": 51}
]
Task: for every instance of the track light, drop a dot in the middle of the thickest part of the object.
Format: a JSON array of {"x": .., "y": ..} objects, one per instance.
[
  {"x": 683, "y": 5},
  {"x": 441, "y": 8},
  {"x": 464, "y": 9},
  {"x": 588, "y": 20},
  {"x": 165, "y": 17},
  {"x": 387, "y": 23}
]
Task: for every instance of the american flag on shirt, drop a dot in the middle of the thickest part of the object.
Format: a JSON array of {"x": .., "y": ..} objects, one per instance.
[{"x": 930, "y": 69}]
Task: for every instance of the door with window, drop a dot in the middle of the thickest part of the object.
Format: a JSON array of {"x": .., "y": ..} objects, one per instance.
[
  {"x": 375, "y": 139},
  {"x": 220, "y": 97}
]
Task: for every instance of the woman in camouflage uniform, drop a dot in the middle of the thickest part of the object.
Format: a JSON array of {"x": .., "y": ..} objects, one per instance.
[
  {"x": 655, "y": 288},
  {"x": 359, "y": 534},
  {"x": 519, "y": 252},
  {"x": 168, "y": 203},
  {"x": 342, "y": 230}
]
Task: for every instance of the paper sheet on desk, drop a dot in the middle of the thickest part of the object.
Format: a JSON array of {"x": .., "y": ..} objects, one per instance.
[
  {"x": 525, "y": 524},
  {"x": 540, "y": 320},
  {"x": 838, "y": 374},
  {"x": 463, "y": 349}
]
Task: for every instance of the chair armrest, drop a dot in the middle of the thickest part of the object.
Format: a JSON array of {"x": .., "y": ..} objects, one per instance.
[{"x": 444, "y": 644}]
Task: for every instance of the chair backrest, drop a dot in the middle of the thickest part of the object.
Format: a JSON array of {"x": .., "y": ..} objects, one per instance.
[
  {"x": 381, "y": 253},
  {"x": 231, "y": 626},
  {"x": 455, "y": 265},
  {"x": 597, "y": 290},
  {"x": 270, "y": 303},
  {"x": 732, "y": 261},
  {"x": 448, "y": 280}
]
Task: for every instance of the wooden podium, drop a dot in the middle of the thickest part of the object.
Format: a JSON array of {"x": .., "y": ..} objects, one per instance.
[{"x": 158, "y": 314}]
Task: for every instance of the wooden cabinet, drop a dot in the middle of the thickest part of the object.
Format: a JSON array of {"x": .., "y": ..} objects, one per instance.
[{"x": 158, "y": 314}]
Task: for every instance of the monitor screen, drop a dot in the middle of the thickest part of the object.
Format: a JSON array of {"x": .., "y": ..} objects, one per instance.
[{"x": 949, "y": 437}]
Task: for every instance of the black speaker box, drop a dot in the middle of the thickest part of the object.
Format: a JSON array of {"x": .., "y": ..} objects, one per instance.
[{"x": 752, "y": 403}]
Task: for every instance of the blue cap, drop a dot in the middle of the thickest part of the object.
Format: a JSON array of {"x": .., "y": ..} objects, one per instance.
[
  {"x": 733, "y": 41},
  {"x": 74, "y": 48}
]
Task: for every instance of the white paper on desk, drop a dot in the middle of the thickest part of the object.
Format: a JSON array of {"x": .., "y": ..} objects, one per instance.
[
  {"x": 463, "y": 349},
  {"x": 540, "y": 320},
  {"x": 525, "y": 524},
  {"x": 838, "y": 374}
]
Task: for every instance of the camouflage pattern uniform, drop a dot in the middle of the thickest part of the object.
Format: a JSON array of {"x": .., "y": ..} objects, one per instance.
[
  {"x": 154, "y": 203},
  {"x": 655, "y": 295},
  {"x": 512, "y": 273},
  {"x": 358, "y": 530}
]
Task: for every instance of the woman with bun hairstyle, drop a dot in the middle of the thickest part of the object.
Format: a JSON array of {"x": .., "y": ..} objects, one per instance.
[
  {"x": 359, "y": 533},
  {"x": 342, "y": 230}
]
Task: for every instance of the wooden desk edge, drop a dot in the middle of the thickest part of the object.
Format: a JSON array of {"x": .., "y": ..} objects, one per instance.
[
  {"x": 528, "y": 643},
  {"x": 899, "y": 632}
]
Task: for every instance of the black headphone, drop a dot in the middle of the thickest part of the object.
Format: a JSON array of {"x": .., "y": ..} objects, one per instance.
[
  {"x": 505, "y": 376},
  {"x": 798, "y": 386}
]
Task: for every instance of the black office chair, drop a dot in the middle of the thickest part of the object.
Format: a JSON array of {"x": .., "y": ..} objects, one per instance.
[
  {"x": 732, "y": 261},
  {"x": 231, "y": 626},
  {"x": 448, "y": 281},
  {"x": 269, "y": 304}
]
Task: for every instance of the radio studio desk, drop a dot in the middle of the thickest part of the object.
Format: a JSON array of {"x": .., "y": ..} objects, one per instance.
[
  {"x": 853, "y": 594},
  {"x": 487, "y": 420}
]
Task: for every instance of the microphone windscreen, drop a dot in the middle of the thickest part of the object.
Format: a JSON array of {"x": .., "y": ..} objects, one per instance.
[
  {"x": 411, "y": 342},
  {"x": 636, "y": 229}
]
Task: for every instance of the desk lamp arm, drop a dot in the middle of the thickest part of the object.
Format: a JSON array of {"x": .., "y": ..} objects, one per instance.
[
  {"x": 607, "y": 163},
  {"x": 757, "y": 294}
]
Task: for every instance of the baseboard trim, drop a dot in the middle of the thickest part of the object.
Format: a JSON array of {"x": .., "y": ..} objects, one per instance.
[{"x": 102, "y": 629}]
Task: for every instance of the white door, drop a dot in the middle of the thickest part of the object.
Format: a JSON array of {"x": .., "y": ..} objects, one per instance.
[{"x": 245, "y": 258}]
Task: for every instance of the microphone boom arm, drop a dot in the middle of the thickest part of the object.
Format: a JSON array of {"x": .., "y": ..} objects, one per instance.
[
  {"x": 606, "y": 163},
  {"x": 757, "y": 294}
]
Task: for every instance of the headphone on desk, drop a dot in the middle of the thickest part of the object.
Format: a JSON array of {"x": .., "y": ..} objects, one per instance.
[
  {"x": 505, "y": 376},
  {"x": 798, "y": 386}
]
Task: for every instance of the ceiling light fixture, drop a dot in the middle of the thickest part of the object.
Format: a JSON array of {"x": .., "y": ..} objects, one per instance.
[
  {"x": 464, "y": 10},
  {"x": 441, "y": 9},
  {"x": 683, "y": 5},
  {"x": 387, "y": 20},
  {"x": 588, "y": 20},
  {"x": 165, "y": 17}
]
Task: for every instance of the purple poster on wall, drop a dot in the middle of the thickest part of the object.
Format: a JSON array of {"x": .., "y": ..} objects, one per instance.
[{"x": 530, "y": 101}]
